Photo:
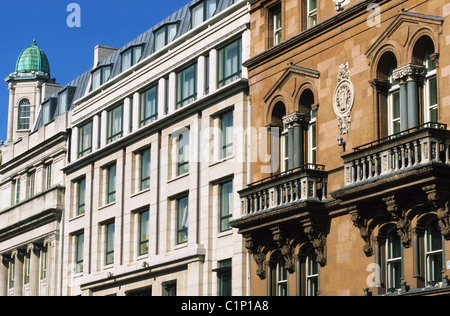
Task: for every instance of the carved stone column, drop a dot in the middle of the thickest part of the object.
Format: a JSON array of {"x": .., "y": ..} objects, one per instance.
[
  {"x": 3, "y": 276},
  {"x": 17, "y": 255},
  {"x": 296, "y": 123},
  {"x": 410, "y": 73}
]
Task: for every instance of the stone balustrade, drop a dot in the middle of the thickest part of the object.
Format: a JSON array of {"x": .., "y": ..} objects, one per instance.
[
  {"x": 308, "y": 182},
  {"x": 424, "y": 144}
]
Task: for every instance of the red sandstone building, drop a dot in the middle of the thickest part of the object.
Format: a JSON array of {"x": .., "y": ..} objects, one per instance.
[{"x": 350, "y": 154}]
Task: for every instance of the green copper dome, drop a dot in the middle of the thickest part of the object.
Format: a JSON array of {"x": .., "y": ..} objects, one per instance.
[{"x": 32, "y": 59}]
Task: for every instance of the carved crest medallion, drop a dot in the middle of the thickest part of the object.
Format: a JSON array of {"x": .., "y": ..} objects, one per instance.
[{"x": 344, "y": 97}]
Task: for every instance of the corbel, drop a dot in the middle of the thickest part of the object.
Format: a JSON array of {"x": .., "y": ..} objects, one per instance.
[
  {"x": 259, "y": 255},
  {"x": 399, "y": 216},
  {"x": 316, "y": 235},
  {"x": 286, "y": 248},
  {"x": 441, "y": 205},
  {"x": 365, "y": 232}
]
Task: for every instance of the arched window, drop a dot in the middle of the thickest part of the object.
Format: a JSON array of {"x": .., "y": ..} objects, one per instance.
[
  {"x": 24, "y": 115},
  {"x": 281, "y": 277},
  {"x": 394, "y": 257},
  {"x": 433, "y": 252},
  {"x": 388, "y": 95},
  {"x": 423, "y": 54},
  {"x": 306, "y": 106},
  {"x": 430, "y": 89},
  {"x": 278, "y": 143},
  {"x": 312, "y": 273}
]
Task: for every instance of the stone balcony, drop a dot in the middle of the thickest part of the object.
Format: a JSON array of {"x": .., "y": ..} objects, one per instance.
[
  {"x": 308, "y": 182},
  {"x": 398, "y": 153}
]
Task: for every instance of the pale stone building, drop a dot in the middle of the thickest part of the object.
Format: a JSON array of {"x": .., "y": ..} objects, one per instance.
[{"x": 147, "y": 150}]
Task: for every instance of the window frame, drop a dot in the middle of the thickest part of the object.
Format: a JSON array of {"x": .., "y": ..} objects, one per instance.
[
  {"x": 104, "y": 76},
  {"x": 226, "y": 144},
  {"x": 311, "y": 14},
  {"x": 143, "y": 236},
  {"x": 134, "y": 57},
  {"x": 81, "y": 196},
  {"x": 79, "y": 253},
  {"x": 437, "y": 254},
  {"x": 427, "y": 87},
  {"x": 225, "y": 215},
  {"x": 182, "y": 153},
  {"x": 394, "y": 122},
  {"x": 166, "y": 29},
  {"x": 144, "y": 178},
  {"x": 110, "y": 195},
  {"x": 222, "y": 77},
  {"x": 182, "y": 99},
  {"x": 85, "y": 144},
  {"x": 224, "y": 278},
  {"x": 205, "y": 14},
  {"x": 276, "y": 18},
  {"x": 393, "y": 281},
  {"x": 109, "y": 242},
  {"x": 312, "y": 138},
  {"x": 144, "y": 117},
  {"x": 281, "y": 277},
  {"x": 311, "y": 276},
  {"x": 182, "y": 219},
  {"x": 110, "y": 137},
  {"x": 23, "y": 104}
]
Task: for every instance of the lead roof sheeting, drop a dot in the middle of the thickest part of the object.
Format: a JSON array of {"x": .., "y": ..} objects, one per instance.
[{"x": 183, "y": 16}]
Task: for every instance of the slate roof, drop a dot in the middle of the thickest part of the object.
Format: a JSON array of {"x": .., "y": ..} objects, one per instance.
[{"x": 79, "y": 85}]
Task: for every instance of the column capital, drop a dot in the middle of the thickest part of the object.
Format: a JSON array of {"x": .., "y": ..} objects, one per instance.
[
  {"x": 296, "y": 118},
  {"x": 409, "y": 72}
]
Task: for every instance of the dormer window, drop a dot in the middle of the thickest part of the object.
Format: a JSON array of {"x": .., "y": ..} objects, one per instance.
[
  {"x": 131, "y": 56},
  {"x": 100, "y": 76},
  {"x": 164, "y": 35},
  {"x": 202, "y": 12}
]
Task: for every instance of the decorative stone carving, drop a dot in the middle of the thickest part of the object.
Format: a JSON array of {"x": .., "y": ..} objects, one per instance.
[
  {"x": 259, "y": 255},
  {"x": 286, "y": 248},
  {"x": 363, "y": 225},
  {"x": 344, "y": 97},
  {"x": 409, "y": 71},
  {"x": 442, "y": 207},
  {"x": 403, "y": 223},
  {"x": 296, "y": 118}
]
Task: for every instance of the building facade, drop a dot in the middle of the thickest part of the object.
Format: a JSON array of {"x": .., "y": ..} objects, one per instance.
[
  {"x": 350, "y": 103},
  {"x": 147, "y": 148}
]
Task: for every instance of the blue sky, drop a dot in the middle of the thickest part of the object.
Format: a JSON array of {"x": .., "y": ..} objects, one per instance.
[{"x": 71, "y": 50}]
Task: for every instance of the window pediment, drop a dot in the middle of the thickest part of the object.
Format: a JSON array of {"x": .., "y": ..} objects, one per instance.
[
  {"x": 403, "y": 30},
  {"x": 291, "y": 72}
]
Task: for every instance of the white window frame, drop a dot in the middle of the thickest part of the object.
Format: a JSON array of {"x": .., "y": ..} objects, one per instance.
[
  {"x": 391, "y": 260},
  {"x": 393, "y": 90},
  {"x": 430, "y": 75},
  {"x": 312, "y": 138},
  {"x": 311, "y": 14}
]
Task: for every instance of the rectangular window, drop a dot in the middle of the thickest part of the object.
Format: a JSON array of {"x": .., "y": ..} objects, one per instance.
[
  {"x": 277, "y": 25},
  {"x": 109, "y": 243},
  {"x": 143, "y": 232},
  {"x": 115, "y": 124},
  {"x": 43, "y": 264},
  {"x": 149, "y": 106},
  {"x": 62, "y": 102},
  {"x": 312, "y": 13},
  {"x": 207, "y": 74},
  {"x": 46, "y": 112},
  {"x": 229, "y": 63},
  {"x": 100, "y": 76},
  {"x": 11, "y": 274},
  {"x": 169, "y": 288},
  {"x": 111, "y": 184},
  {"x": 85, "y": 140},
  {"x": 79, "y": 250},
  {"x": 187, "y": 86},
  {"x": 226, "y": 123},
  {"x": 31, "y": 184},
  {"x": 81, "y": 196},
  {"x": 202, "y": 12},
  {"x": 312, "y": 141},
  {"x": 17, "y": 191},
  {"x": 394, "y": 107},
  {"x": 166, "y": 96},
  {"x": 131, "y": 57},
  {"x": 224, "y": 278},
  {"x": 393, "y": 259},
  {"x": 183, "y": 154},
  {"x": 48, "y": 176},
  {"x": 226, "y": 205},
  {"x": 182, "y": 220},
  {"x": 26, "y": 279},
  {"x": 145, "y": 170},
  {"x": 165, "y": 35}
]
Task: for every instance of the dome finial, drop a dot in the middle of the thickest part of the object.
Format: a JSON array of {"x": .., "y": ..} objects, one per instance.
[{"x": 34, "y": 41}]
